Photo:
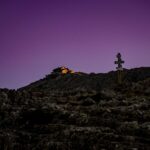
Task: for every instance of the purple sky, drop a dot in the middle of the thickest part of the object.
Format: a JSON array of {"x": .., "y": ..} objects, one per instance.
[{"x": 38, "y": 35}]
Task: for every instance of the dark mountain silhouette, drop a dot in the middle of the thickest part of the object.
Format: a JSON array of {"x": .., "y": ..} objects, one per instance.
[{"x": 78, "y": 111}]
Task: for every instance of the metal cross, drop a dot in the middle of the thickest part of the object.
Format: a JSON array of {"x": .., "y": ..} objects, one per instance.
[
  {"x": 119, "y": 62},
  {"x": 119, "y": 68}
]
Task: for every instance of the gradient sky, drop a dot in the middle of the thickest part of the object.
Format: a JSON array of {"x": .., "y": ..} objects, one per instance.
[{"x": 38, "y": 35}]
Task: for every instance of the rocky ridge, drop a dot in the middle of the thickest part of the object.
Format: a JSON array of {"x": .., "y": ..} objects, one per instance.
[{"x": 78, "y": 112}]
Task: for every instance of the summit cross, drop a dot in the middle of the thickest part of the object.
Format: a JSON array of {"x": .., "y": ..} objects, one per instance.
[
  {"x": 119, "y": 62},
  {"x": 119, "y": 68}
]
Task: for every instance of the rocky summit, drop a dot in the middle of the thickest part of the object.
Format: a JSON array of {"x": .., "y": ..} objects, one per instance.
[{"x": 78, "y": 111}]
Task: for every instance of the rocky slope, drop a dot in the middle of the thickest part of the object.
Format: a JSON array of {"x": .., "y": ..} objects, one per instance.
[{"x": 78, "y": 112}]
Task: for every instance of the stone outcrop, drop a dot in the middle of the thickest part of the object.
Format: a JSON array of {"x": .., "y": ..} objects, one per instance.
[{"x": 62, "y": 70}]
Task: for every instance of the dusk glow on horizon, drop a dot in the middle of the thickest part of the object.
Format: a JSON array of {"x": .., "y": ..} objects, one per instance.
[{"x": 37, "y": 36}]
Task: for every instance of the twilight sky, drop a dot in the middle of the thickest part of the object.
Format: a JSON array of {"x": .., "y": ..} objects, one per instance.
[{"x": 38, "y": 35}]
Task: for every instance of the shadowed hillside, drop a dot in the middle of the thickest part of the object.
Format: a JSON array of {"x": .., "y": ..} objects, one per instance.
[{"x": 78, "y": 111}]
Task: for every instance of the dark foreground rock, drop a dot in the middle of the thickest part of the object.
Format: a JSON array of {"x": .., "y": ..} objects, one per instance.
[{"x": 93, "y": 113}]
